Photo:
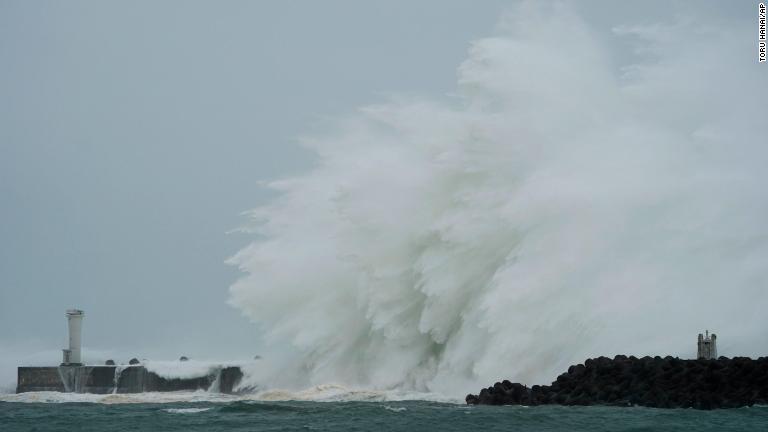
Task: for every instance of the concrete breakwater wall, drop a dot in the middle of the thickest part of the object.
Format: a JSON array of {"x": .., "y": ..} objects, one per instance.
[{"x": 120, "y": 379}]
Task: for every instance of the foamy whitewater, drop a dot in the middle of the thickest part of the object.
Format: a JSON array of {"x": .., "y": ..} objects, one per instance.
[
  {"x": 572, "y": 200},
  {"x": 321, "y": 393}
]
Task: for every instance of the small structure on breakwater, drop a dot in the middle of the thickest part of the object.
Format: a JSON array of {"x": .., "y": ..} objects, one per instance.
[{"x": 707, "y": 346}]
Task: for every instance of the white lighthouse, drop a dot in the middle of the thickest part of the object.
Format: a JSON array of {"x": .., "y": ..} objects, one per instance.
[{"x": 72, "y": 354}]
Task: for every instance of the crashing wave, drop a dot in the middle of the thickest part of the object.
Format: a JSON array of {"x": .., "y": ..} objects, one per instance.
[{"x": 571, "y": 201}]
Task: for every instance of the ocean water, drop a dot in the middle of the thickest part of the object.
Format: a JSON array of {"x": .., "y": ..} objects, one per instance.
[{"x": 243, "y": 415}]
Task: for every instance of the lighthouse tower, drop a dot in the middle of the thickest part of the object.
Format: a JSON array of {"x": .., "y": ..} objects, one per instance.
[{"x": 72, "y": 354}]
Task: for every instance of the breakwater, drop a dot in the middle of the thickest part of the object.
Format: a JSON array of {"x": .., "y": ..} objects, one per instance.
[
  {"x": 121, "y": 379},
  {"x": 649, "y": 381}
]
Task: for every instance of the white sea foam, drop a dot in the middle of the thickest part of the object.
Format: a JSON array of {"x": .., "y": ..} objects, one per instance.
[
  {"x": 395, "y": 409},
  {"x": 321, "y": 393},
  {"x": 572, "y": 201},
  {"x": 340, "y": 393},
  {"x": 181, "y": 369},
  {"x": 120, "y": 398},
  {"x": 185, "y": 410}
]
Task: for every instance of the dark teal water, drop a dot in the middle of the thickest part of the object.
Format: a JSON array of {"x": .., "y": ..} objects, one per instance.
[{"x": 366, "y": 416}]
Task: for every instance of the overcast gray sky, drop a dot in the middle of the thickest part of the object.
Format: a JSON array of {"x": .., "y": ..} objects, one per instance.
[{"x": 133, "y": 135}]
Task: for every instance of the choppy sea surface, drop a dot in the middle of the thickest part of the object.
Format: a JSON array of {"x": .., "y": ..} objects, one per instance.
[{"x": 197, "y": 412}]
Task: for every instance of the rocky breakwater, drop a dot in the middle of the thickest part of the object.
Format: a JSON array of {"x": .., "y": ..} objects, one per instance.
[{"x": 649, "y": 381}]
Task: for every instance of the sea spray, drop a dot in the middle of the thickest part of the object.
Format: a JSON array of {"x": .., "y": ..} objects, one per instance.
[
  {"x": 182, "y": 369},
  {"x": 74, "y": 378},
  {"x": 215, "y": 386},
  {"x": 66, "y": 376},
  {"x": 118, "y": 372},
  {"x": 569, "y": 203}
]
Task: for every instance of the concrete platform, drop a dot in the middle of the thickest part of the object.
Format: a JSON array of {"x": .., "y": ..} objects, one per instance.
[{"x": 120, "y": 379}]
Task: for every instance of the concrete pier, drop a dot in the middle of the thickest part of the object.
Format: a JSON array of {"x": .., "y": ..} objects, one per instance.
[{"x": 120, "y": 379}]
